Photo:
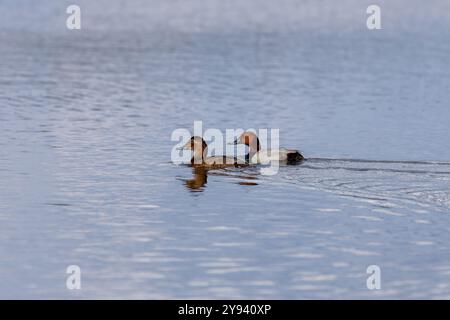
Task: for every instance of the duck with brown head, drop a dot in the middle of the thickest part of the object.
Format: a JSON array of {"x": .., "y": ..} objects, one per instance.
[
  {"x": 199, "y": 156},
  {"x": 257, "y": 155}
]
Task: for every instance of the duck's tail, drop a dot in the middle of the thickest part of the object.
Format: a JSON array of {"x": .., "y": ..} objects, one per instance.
[{"x": 294, "y": 157}]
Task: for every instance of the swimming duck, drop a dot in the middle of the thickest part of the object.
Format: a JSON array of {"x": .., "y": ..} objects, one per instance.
[
  {"x": 199, "y": 158},
  {"x": 256, "y": 155}
]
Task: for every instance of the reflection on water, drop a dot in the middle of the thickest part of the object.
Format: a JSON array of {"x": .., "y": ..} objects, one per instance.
[
  {"x": 200, "y": 177},
  {"x": 86, "y": 119},
  {"x": 377, "y": 181}
]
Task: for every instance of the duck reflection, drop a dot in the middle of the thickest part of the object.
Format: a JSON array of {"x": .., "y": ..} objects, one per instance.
[{"x": 200, "y": 178}]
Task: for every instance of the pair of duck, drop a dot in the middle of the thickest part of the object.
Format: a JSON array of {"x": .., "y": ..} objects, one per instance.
[{"x": 254, "y": 156}]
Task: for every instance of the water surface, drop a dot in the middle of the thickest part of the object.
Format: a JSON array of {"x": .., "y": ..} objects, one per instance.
[{"x": 86, "y": 118}]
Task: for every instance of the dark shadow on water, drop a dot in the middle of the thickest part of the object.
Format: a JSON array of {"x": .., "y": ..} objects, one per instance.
[{"x": 245, "y": 183}]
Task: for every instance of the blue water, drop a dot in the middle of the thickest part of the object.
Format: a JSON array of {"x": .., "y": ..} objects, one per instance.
[{"x": 86, "y": 178}]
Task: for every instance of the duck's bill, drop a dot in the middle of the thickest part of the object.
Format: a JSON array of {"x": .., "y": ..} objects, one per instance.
[{"x": 187, "y": 146}]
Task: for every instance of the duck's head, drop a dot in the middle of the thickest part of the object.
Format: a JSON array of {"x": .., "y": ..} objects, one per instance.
[
  {"x": 249, "y": 139},
  {"x": 196, "y": 144}
]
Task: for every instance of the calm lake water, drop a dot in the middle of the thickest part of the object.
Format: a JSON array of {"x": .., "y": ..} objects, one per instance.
[{"x": 86, "y": 178}]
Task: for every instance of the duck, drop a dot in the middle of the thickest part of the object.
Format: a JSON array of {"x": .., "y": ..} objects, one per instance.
[
  {"x": 258, "y": 156},
  {"x": 199, "y": 159}
]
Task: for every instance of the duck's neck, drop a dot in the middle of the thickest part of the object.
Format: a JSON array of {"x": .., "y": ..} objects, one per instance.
[
  {"x": 199, "y": 156},
  {"x": 253, "y": 148}
]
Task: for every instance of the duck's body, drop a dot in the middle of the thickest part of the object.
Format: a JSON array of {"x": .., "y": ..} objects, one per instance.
[
  {"x": 219, "y": 162},
  {"x": 258, "y": 156},
  {"x": 282, "y": 154},
  {"x": 199, "y": 158}
]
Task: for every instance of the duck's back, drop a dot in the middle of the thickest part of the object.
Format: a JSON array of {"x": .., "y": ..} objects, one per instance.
[
  {"x": 222, "y": 162},
  {"x": 282, "y": 154}
]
